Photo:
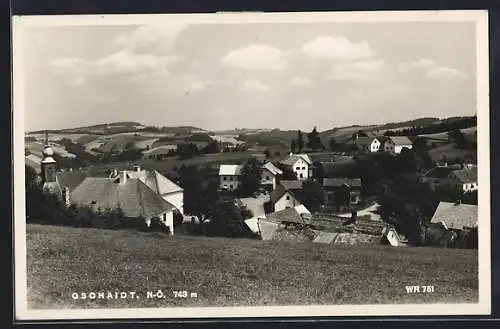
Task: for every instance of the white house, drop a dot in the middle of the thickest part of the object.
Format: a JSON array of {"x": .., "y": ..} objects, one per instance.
[
  {"x": 281, "y": 198},
  {"x": 229, "y": 177},
  {"x": 300, "y": 164},
  {"x": 368, "y": 144},
  {"x": 269, "y": 174},
  {"x": 395, "y": 144},
  {"x": 160, "y": 184}
]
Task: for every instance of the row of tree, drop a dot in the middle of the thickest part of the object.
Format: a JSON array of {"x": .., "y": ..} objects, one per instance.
[
  {"x": 313, "y": 142},
  {"x": 444, "y": 126}
]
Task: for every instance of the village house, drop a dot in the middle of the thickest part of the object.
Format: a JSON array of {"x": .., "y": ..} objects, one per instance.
[
  {"x": 131, "y": 195},
  {"x": 281, "y": 198},
  {"x": 300, "y": 164},
  {"x": 229, "y": 177},
  {"x": 463, "y": 177},
  {"x": 159, "y": 184},
  {"x": 396, "y": 144},
  {"x": 368, "y": 144},
  {"x": 270, "y": 175},
  {"x": 455, "y": 216},
  {"x": 341, "y": 193},
  {"x": 294, "y": 186}
]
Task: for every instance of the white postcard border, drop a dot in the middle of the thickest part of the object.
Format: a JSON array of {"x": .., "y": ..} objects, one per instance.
[{"x": 483, "y": 307}]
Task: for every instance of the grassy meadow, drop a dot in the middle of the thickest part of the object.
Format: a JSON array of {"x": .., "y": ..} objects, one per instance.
[{"x": 235, "y": 272}]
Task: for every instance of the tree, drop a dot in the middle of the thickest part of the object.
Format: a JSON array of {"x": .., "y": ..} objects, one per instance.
[
  {"x": 212, "y": 147},
  {"x": 226, "y": 220},
  {"x": 293, "y": 146},
  {"x": 312, "y": 196},
  {"x": 313, "y": 140},
  {"x": 288, "y": 173},
  {"x": 300, "y": 141},
  {"x": 406, "y": 161},
  {"x": 333, "y": 144},
  {"x": 250, "y": 177}
]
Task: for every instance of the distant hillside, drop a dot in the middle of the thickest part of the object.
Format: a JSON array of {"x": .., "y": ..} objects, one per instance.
[{"x": 122, "y": 127}]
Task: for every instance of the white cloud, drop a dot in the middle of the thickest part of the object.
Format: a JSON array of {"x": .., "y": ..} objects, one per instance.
[
  {"x": 151, "y": 39},
  {"x": 443, "y": 72},
  {"x": 69, "y": 65},
  {"x": 257, "y": 57},
  {"x": 127, "y": 62},
  {"x": 429, "y": 69},
  {"x": 337, "y": 48},
  {"x": 78, "y": 81},
  {"x": 359, "y": 70},
  {"x": 254, "y": 84},
  {"x": 301, "y": 82},
  {"x": 192, "y": 83}
]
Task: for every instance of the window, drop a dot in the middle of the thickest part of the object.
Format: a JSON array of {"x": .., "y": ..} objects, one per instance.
[
  {"x": 303, "y": 168},
  {"x": 267, "y": 177},
  {"x": 225, "y": 178},
  {"x": 230, "y": 178},
  {"x": 165, "y": 217},
  {"x": 301, "y": 176},
  {"x": 297, "y": 168},
  {"x": 231, "y": 186},
  {"x": 288, "y": 197}
]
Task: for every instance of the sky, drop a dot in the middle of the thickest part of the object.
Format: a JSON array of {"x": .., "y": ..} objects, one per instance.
[{"x": 252, "y": 75}]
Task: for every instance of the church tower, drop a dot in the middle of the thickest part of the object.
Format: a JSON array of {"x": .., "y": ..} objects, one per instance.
[{"x": 48, "y": 165}]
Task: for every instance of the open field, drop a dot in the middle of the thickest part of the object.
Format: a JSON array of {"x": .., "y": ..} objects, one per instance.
[
  {"x": 235, "y": 272},
  {"x": 450, "y": 152}
]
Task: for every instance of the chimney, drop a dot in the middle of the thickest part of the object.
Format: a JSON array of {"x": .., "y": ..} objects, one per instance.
[{"x": 123, "y": 177}]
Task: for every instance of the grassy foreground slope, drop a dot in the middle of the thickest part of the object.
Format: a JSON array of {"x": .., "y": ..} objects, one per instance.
[{"x": 234, "y": 272}]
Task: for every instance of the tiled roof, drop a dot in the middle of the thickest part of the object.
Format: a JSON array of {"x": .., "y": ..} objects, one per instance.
[
  {"x": 400, "y": 140},
  {"x": 133, "y": 197},
  {"x": 277, "y": 193},
  {"x": 71, "y": 179},
  {"x": 273, "y": 169},
  {"x": 337, "y": 182},
  {"x": 155, "y": 181},
  {"x": 364, "y": 140},
  {"x": 466, "y": 175},
  {"x": 231, "y": 170},
  {"x": 456, "y": 216},
  {"x": 291, "y": 160},
  {"x": 292, "y": 184},
  {"x": 290, "y": 215}
]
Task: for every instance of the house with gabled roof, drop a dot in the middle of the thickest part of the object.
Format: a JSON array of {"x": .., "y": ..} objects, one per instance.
[
  {"x": 134, "y": 197},
  {"x": 160, "y": 184},
  {"x": 368, "y": 144},
  {"x": 340, "y": 193},
  {"x": 465, "y": 179},
  {"x": 281, "y": 198},
  {"x": 455, "y": 216},
  {"x": 300, "y": 164},
  {"x": 270, "y": 174},
  {"x": 396, "y": 144},
  {"x": 229, "y": 176}
]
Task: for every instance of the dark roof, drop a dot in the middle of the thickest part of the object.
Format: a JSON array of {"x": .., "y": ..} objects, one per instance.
[
  {"x": 277, "y": 193},
  {"x": 364, "y": 140},
  {"x": 456, "y": 215},
  {"x": 71, "y": 179},
  {"x": 400, "y": 140},
  {"x": 439, "y": 172},
  {"x": 466, "y": 175},
  {"x": 32, "y": 161},
  {"x": 337, "y": 182},
  {"x": 134, "y": 197},
  {"x": 292, "y": 184},
  {"x": 327, "y": 157},
  {"x": 290, "y": 161}
]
